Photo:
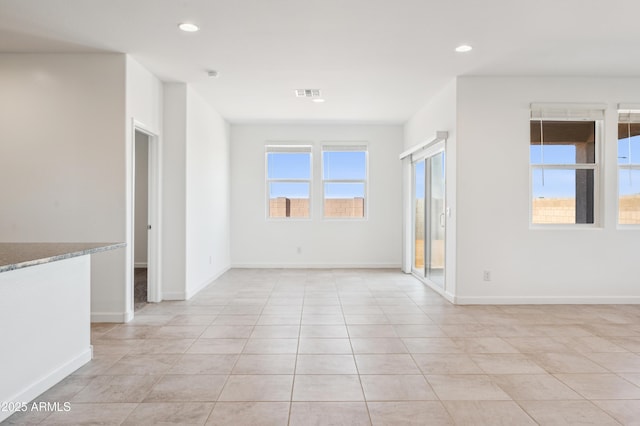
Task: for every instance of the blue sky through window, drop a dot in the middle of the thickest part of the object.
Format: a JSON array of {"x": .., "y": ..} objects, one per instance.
[
  {"x": 553, "y": 154},
  {"x": 629, "y": 153},
  {"x": 285, "y": 165},
  {"x": 339, "y": 165},
  {"x": 556, "y": 183},
  {"x": 289, "y": 189},
  {"x": 629, "y": 181},
  {"x": 561, "y": 183},
  {"x": 344, "y": 190},
  {"x": 419, "y": 176},
  {"x": 344, "y": 165},
  {"x": 550, "y": 183},
  {"x": 629, "y": 150},
  {"x": 420, "y": 180}
]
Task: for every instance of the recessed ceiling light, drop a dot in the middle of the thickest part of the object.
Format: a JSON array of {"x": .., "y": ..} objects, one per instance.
[
  {"x": 463, "y": 48},
  {"x": 318, "y": 100},
  {"x": 187, "y": 27}
]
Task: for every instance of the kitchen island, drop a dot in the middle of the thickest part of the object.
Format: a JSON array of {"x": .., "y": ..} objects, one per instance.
[{"x": 45, "y": 315}]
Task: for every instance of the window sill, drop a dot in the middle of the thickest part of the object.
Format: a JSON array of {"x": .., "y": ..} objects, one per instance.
[
  {"x": 622, "y": 227},
  {"x": 345, "y": 219},
  {"x": 288, "y": 219},
  {"x": 565, "y": 227}
]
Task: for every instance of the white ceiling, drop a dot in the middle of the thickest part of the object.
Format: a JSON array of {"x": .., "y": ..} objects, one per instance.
[{"x": 374, "y": 60}]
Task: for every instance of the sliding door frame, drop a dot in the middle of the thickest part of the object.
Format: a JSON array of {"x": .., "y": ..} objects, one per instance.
[{"x": 430, "y": 151}]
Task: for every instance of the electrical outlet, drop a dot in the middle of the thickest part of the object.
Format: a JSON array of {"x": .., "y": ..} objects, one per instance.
[
  {"x": 486, "y": 275},
  {"x": 299, "y": 250},
  {"x": 210, "y": 260}
]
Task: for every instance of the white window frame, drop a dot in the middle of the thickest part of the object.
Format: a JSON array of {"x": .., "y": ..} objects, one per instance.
[
  {"x": 626, "y": 114},
  {"x": 287, "y": 148},
  {"x": 346, "y": 147},
  {"x": 571, "y": 112}
]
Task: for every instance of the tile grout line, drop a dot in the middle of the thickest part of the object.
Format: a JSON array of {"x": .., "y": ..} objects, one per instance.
[
  {"x": 295, "y": 365},
  {"x": 364, "y": 397},
  {"x": 215, "y": 403}
]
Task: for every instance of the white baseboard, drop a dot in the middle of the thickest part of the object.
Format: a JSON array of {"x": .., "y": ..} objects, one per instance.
[
  {"x": 110, "y": 317},
  {"x": 192, "y": 293},
  {"x": 140, "y": 265},
  {"x": 448, "y": 296},
  {"x": 173, "y": 295},
  {"x": 316, "y": 266},
  {"x": 547, "y": 300},
  {"x": 35, "y": 389},
  {"x": 186, "y": 295}
]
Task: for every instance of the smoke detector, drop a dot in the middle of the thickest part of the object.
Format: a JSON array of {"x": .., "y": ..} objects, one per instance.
[{"x": 307, "y": 93}]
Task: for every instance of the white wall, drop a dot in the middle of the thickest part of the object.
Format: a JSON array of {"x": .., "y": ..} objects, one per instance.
[
  {"x": 173, "y": 191},
  {"x": 141, "y": 195},
  {"x": 533, "y": 265},
  {"x": 67, "y": 140},
  {"x": 196, "y": 246},
  {"x": 62, "y": 158},
  {"x": 144, "y": 98},
  {"x": 258, "y": 242},
  {"x": 439, "y": 114},
  {"x": 144, "y": 107},
  {"x": 208, "y": 194}
]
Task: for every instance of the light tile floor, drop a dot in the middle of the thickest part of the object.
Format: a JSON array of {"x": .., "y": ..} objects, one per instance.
[{"x": 356, "y": 347}]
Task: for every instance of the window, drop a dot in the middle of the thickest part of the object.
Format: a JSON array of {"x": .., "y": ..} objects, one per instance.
[
  {"x": 344, "y": 180},
  {"x": 564, "y": 165},
  {"x": 629, "y": 167},
  {"x": 288, "y": 181}
]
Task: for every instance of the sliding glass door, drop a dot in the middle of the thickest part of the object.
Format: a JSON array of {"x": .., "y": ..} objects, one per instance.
[
  {"x": 429, "y": 224},
  {"x": 436, "y": 219}
]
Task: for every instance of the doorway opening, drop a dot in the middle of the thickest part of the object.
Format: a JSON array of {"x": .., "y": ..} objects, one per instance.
[
  {"x": 141, "y": 221},
  {"x": 144, "y": 255}
]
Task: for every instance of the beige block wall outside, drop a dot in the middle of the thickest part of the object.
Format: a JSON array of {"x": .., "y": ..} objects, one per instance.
[
  {"x": 563, "y": 210},
  {"x": 344, "y": 207},
  {"x": 419, "y": 216},
  {"x": 554, "y": 210},
  {"x": 279, "y": 207},
  {"x": 299, "y": 207},
  {"x": 629, "y": 209}
]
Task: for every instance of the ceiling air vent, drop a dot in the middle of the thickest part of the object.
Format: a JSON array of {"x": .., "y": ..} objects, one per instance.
[{"x": 307, "y": 93}]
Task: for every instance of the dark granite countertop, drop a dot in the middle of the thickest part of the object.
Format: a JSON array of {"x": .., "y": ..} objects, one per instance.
[{"x": 22, "y": 255}]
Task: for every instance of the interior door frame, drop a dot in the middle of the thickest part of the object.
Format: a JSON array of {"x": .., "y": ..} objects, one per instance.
[{"x": 154, "y": 281}]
